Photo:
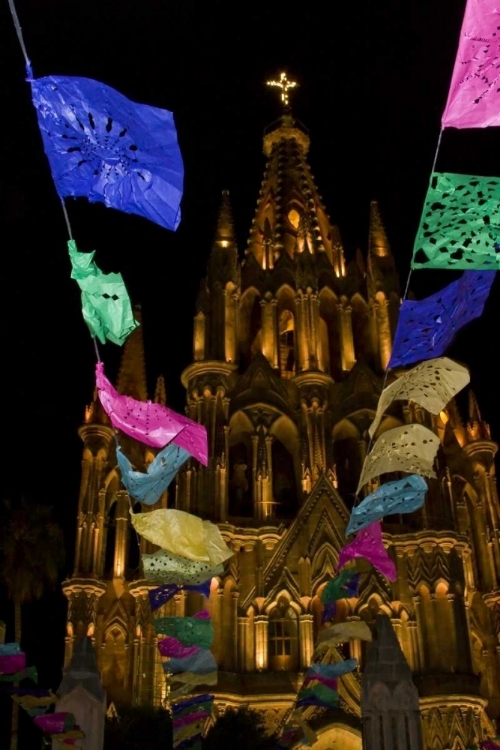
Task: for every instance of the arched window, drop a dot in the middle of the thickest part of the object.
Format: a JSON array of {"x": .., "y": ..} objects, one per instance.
[
  {"x": 287, "y": 344},
  {"x": 283, "y": 637},
  {"x": 240, "y": 479}
]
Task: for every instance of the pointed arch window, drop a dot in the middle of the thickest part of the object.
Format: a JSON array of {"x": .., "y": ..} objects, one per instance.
[
  {"x": 283, "y": 637},
  {"x": 286, "y": 325}
]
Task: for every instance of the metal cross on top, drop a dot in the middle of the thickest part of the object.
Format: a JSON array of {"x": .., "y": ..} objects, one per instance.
[{"x": 285, "y": 85}]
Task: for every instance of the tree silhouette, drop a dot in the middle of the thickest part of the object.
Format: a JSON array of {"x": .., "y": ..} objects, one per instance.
[{"x": 31, "y": 557}]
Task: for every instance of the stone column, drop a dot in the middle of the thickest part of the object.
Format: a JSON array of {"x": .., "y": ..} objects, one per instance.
[
  {"x": 231, "y": 334},
  {"x": 269, "y": 345},
  {"x": 261, "y": 642},
  {"x": 306, "y": 624},
  {"x": 301, "y": 333},
  {"x": 121, "y": 536},
  {"x": 384, "y": 331},
  {"x": 243, "y": 627},
  {"x": 348, "y": 356},
  {"x": 199, "y": 337}
]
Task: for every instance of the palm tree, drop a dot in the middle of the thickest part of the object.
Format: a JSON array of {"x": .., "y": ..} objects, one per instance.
[{"x": 32, "y": 554}]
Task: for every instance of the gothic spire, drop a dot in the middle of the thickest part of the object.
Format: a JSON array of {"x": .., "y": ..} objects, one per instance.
[
  {"x": 378, "y": 241},
  {"x": 224, "y": 234},
  {"x": 289, "y": 200},
  {"x": 160, "y": 391}
]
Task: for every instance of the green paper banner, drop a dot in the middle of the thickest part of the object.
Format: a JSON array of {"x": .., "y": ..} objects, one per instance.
[
  {"x": 460, "y": 224},
  {"x": 105, "y": 302}
]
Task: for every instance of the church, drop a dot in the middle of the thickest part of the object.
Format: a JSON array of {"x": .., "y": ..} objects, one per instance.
[{"x": 290, "y": 346}]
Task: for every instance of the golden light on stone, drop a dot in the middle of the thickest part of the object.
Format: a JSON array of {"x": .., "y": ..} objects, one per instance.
[{"x": 285, "y": 85}]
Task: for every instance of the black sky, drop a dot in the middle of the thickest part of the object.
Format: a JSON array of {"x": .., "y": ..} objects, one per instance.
[{"x": 374, "y": 78}]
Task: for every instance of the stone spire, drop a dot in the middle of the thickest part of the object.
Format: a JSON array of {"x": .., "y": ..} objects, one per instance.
[
  {"x": 224, "y": 234},
  {"x": 131, "y": 379},
  {"x": 390, "y": 708},
  {"x": 160, "y": 391},
  {"x": 477, "y": 429},
  {"x": 378, "y": 243},
  {"x": 288, "y": 200}
]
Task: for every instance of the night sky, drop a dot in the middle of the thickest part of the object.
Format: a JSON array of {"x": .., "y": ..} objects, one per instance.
[{"x": 374, "y": 79}]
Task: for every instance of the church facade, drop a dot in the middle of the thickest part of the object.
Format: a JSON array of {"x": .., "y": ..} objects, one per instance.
[{"x": 290, "y": 346}]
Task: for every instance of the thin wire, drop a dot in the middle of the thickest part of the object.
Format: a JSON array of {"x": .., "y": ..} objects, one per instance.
[
  {"x": 19, "y": 33},
  {"x": 405, "y": 295},
  {"x": 66, "y": 219},
  {"x": 96, "y": 349}
]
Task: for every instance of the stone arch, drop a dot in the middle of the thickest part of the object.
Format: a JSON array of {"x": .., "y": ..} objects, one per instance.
[
  {"x": 249, "y": 324},
  {"x": 347, "y": 456},
  {"x": 324, "y": 563},
  {"x": 375, "y": 604},
  {"x": 114, "y": 659},
  {"x": 286, "y": 465},
  {"x": 362, "y": 329},
  {"x": 240, "y": 465},
  {"x": 329, "y": 314},
  {"x": 338, "y": 736}
]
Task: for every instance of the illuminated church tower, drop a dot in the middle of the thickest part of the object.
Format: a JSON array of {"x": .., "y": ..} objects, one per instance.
[{"x": 290, "y": 346}]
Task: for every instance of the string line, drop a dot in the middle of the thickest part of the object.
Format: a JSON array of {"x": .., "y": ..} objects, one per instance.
[{"x": 405, "y": 295}]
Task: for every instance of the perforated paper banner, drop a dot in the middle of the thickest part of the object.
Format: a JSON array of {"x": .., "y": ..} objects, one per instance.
[
  {"x": 11, "y": 663},
  {"x": 9, "y": 649},
  {"x": 368, "y": 544},
  {"x": 163, "y": 567},
  {"x": 330, "y": 671},
  {"x": 149, "y": 487},
  {"x": 192, "y": 678},
  {"x": 161, "y": 595},
  {"x": 108, "y": 149},
  {"x": 460, "y": 224},
  {"x": 193, "y": 704},
  {"x": 152, "y": 424},
  {"x": 190, "y": 631},
  {"x": 201, "y": 662},
  {"x": 56, "y": 723},
  {"x": 106, "y": 305},
  {"x": 474, "y": 97},
  {"x": 431, "y": 384},
  {"x": 172, "y": 647},
  {"x": 183, "y": 534},
  {"x": 319, "y": 695},
  {"x": 410, "y": 448},
  {"x": 343, "y": 632},
  {"x": 344, "y": 585},
  {"x": 426, "y": 328},
  {"x": 402, "y": 496}
]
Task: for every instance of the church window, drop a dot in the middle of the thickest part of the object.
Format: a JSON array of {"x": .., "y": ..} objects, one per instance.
[
  {"x": 240, "y": 487},
  {"x": 283, "y": 646},
  {"x": 294, "y": 218}
]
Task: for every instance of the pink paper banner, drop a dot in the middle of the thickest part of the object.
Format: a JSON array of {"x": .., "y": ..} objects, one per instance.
[
  {"x": 12, "y": 663},
  {"x": 474, "y": 97},
  {"x": 368, "y": 544},
  {"x": 56, "y": 723},
  {"x": 152, "y": 424}
]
